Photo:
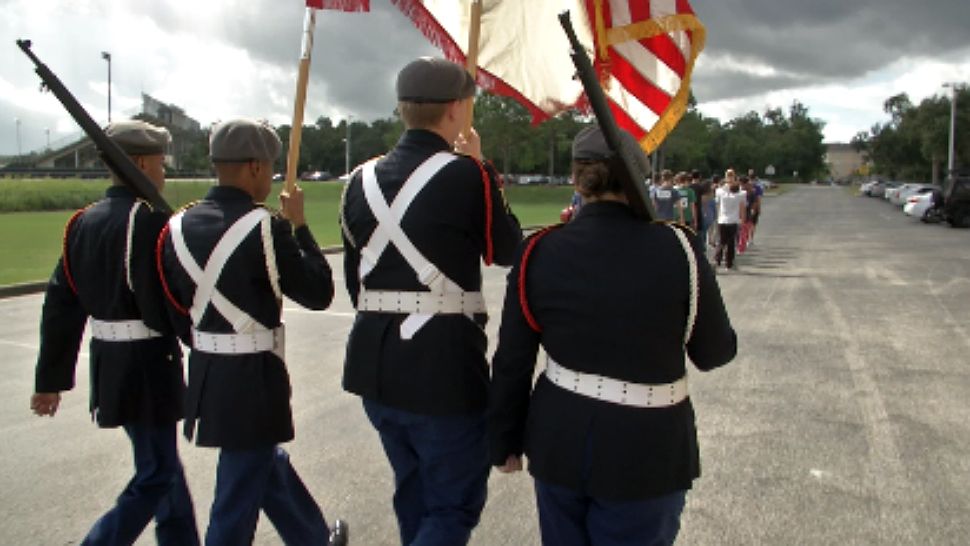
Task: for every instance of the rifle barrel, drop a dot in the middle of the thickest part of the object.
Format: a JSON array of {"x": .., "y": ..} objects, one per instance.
[
  {"x": 634, "y": 183},
  {"x": 117, "y": 160}
]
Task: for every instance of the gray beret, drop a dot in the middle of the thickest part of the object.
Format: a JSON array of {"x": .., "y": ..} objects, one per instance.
[
  {"x": 590, "y": 144},
  {"x": 136, "y": 137},
  {"x": 240, "y": 140},
  {"x": 434, "y": 80}
]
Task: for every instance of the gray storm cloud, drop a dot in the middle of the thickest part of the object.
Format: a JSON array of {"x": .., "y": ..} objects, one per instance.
[{"x": 792, "y": 44}]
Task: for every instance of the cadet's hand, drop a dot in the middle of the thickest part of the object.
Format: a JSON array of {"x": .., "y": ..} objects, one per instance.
[
  {"x": 469, "y": 144},
  {"x": 512, "y": 464},
  {"x": 45, "y": 403},
  {"x": 292, "y": 206}
]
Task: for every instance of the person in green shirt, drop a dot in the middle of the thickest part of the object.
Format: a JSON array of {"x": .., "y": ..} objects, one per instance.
[{"x": 687, "y": 199}]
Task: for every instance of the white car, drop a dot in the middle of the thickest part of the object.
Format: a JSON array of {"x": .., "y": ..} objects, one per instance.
[
  {"x": 917, "y": 205},
  {"x": 900, "y": 195},
  {"x": 892, "y": 191}
]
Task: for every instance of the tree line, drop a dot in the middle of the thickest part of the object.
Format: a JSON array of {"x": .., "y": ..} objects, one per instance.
[
  {"x": 791, "y": 142},
  {"x": 914, "y": 143}
]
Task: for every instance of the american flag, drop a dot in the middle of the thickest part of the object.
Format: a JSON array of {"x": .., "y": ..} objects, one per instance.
[
  {"x": 343, "y": 5},
  {"x": 644, "y": 52}
]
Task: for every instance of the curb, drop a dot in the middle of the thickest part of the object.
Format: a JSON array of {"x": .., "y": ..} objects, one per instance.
[{"x": 23, "y": 289}]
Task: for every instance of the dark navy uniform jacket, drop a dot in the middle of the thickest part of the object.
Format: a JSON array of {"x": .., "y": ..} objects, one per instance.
[
  {"x": 132, "y": 382},
  {"x": 241, "y": 401},
  {"x": 610, "y": 294},
  {"x": 442, "y": 369}
]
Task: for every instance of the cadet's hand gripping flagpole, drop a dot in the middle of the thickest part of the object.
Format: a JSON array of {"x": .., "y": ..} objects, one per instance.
[
  {"x": 471, "y": 59},
  {"x": 296, "y": 129}
]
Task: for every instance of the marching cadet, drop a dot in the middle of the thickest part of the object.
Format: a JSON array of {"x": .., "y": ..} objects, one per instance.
[
  {"x": 608, "y": 427},
  {"x": 416, "y": 224},
  {"x": 226, "y": 262},
  {"x": 106, "y": 276}
]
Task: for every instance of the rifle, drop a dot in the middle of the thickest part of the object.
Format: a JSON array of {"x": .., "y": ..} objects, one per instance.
[
  {"x": 112, "y": 155},
  {"x": 631, "y": 173}
]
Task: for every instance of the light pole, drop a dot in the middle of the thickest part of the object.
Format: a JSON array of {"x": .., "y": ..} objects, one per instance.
[
  {"x": 347, "y": 147},
  {"x": 107, "y": 56},
  {"x": 19, "y": 151},
  {"x": 953, "y": 128},
  {"x": 47, "y": 132}
]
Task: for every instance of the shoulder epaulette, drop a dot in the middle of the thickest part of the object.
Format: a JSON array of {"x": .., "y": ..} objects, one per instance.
[
  {"x": 530, "y": 243},
  {"x": 146, "y": 203},
  {"x": 159, "y": 248},
  {"x": 186, "y": 206},
  {"x": 64, "y": 261}
]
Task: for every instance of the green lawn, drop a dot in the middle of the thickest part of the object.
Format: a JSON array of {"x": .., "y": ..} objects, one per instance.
[{"x": 30, "y": 242}]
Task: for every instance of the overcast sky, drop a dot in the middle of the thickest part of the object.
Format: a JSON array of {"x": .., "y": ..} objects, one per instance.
[{"x": 226, "y": 58}]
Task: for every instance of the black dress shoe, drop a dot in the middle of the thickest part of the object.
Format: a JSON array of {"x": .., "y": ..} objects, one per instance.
[{"x": 339, "y": 534}]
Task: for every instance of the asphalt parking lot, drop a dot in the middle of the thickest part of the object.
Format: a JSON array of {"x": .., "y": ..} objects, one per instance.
[{"x": 843, "y": 420}]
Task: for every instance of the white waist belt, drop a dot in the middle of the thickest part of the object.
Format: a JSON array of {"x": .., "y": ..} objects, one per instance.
[
  {"x": 121, "y": 330},
  {"x": 618, "y": 392},
  {"x": 427, "y": 303},
  {"x": 238, "y": 344}
]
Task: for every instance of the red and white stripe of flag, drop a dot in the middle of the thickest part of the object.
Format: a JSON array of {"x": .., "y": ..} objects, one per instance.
[
  {"x": 644, "y": 76},
  {"x": 342, "y": 5}
]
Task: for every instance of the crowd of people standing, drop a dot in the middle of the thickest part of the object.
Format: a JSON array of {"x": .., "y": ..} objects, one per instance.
[{"x": 723, "y": 212}]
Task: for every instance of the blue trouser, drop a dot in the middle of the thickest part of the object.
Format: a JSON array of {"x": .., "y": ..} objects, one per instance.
[
  {"x": 440, "y": 473},
  {"x": 570, "y": 518},
  {"x": 157, "y": 490},
  {"x": 248, "y": 480}
]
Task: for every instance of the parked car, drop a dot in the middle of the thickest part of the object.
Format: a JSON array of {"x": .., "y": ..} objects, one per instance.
[
  {"x": 316, "y": 176},
  {"x": 892, "y": 194},
  {"x": 877, "y": 189},
  {"x": 917, "y": 205},
  {"x": 888, "y": 188},
  {"x": 898, "y": 196},
  {"x": 529, "y": 179}
]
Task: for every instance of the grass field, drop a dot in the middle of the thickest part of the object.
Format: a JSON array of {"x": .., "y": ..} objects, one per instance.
[{"x": 30, "y": 242}]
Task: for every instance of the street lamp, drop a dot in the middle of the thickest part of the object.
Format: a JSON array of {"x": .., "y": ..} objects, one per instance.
[
  {"x": 953, "y": 128},
  {"x": 347, "y": 147},
  {"x": 107, "y": 56},
  {"x": 19, "y": 151}
]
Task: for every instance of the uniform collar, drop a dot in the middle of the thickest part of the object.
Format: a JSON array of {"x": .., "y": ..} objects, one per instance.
[
  {"x": 604, "y": 208},
  {"x": 424, "y": 139},
  {"x": 117, "y": 191},
  {"x": 228, "y": 193}
]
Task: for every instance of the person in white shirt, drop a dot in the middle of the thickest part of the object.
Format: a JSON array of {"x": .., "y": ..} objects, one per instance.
[{"x": 731, "y": 213}]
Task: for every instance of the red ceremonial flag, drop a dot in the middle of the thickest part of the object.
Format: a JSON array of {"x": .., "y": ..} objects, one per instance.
[
  {"x": 342, "y": 5},
  {"x": 643, "y": 50}
]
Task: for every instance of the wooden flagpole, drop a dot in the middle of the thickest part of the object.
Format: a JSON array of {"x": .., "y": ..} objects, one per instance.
[
  {"x": 471, "y": 58},
  {"x": 296, "y": 129}
]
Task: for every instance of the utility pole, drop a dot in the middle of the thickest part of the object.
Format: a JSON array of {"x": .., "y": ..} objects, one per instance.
[{"x": 107, "y": 56}]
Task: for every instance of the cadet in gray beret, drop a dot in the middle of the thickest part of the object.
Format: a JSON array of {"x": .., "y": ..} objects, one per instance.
[
  {"x": 107, "y": 272},
  {"x": 431, "y": 80},
  {"x": 262, "y": 257},
  {"x": 145, "y": 143},
  {"x": 458, "y": 217},
  {"x": 137, "y": 137},
  {"x": 241, "y": 140}
]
